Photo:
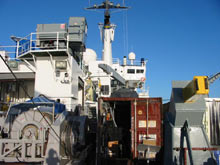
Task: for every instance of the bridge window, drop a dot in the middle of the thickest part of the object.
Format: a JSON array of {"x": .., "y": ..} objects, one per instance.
[
  {"x": 131, "y": 71},
  {"x": 140, "y": 71}
]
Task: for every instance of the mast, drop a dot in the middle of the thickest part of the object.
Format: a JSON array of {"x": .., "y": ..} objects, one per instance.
[{"x": 107, "y": 29}]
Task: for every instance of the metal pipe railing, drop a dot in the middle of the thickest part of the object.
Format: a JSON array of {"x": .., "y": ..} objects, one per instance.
[{"x": 33, "y": 41}]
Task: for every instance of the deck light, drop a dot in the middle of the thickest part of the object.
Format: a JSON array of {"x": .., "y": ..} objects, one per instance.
[{"x": 61, "y": 65}]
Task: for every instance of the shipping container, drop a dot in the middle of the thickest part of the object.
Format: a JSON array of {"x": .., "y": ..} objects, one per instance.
[
  {"x": 129, "y": 130},
  {"x": 211, "y": 120}
]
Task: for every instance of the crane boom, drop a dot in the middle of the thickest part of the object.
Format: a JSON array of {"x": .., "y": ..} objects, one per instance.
[{"x": 211, "y": 79}]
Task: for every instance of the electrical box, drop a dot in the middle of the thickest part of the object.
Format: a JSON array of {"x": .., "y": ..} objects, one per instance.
[
  {"x": 77, "y": 31},
  {"x": 49, "y": 34},
  {"x": 49, "y": 31}
]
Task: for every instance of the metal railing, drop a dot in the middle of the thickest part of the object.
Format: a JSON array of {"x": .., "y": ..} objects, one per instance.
[
  {"x": 128, "y": 62},
  {"x": 42, "y": 41},
  {"x": 136, "y": 63},
  {"x": 9, "y": 51},
  {"x": 35, "y": 42},
  {"x": 114, "y": 60}
]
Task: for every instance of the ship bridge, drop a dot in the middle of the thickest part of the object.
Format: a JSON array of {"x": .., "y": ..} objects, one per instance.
[{"x": 48, "y": 61}]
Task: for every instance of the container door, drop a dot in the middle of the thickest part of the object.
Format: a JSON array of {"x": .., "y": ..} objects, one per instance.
[{"x": 146, "y": 128}]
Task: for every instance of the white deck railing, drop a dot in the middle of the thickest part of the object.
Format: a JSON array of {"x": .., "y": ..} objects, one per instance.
[
  {"x": 35, "y": 42},
  {"x": 8, "y": 51},
  {"x": 128, "y": 62},
  {"x": 43, "y": 41}
]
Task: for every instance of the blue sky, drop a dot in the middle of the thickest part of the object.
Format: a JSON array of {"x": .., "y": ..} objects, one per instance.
[{"x": 180, "y": 38}]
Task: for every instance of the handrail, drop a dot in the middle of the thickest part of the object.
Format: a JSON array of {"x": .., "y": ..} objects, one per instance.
[
  {"x": 118, "y": 61},
  {"x": 9, "y": 50},
  {"x": 37, "y": 41}
]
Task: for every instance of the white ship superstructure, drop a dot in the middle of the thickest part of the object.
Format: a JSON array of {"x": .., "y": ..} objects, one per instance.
[
  {"x": 11, "y": 90},
  {"x": 111, "y": 74},
  {"x": 61, "y": 104},
  {"x": 60, "y": 80},
  {"x": 54, "y": 57},
  {"x": 119, "y": 74},
  {"x": 51, "y": 58}
]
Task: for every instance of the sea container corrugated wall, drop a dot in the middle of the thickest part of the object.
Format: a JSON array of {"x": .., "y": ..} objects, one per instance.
[
  {"x": 213, "y": 105},
  {"x": 147, "y": 121}
]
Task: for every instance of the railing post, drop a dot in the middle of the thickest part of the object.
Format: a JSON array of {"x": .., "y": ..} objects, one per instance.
[
  {"x": 31, "y": 42},
  {"x": 17, "y": 49},
  {"x": 67, "y": 42},
  {"x": 57, "y": 39}
]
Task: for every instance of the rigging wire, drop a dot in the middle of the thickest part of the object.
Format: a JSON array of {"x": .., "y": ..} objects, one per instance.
[
  {"x": 26, "y": 93},
  {"x": 125, "y": 29},
  {"x": 124, "y": 35}
]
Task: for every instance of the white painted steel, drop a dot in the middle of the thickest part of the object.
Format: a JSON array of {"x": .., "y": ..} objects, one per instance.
[
  {"x": 89, "y": 55},
  {"x": 49, "y": 83},
  {"x": 107, "y": 35}
]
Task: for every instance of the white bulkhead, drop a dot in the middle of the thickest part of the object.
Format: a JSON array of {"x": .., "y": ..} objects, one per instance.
[{"x": 58, "y": 82}]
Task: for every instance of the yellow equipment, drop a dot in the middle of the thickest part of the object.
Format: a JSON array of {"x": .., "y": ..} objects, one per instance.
[{"x": 198, "y": 86}]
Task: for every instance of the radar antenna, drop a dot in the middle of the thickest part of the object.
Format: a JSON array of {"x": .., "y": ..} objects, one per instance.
[
  {"x": 107, "y": 5},
  {"x": 107, "y": 29}
]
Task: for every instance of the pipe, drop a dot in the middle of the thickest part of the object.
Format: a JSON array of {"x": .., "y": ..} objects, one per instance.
[
  {"x": 147, "y": 115},
  {"x": 124, "y": 61},
  {"x": 135, "y": 128}
]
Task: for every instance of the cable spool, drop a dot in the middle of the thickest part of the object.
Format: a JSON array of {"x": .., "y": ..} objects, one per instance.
[
  {"x": 30, "y": 131},
  {"x": 29, "y": 124},
  {"x": 69, "y": 137}
]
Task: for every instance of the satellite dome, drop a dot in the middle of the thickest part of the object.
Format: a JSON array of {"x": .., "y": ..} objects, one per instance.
[
  {"x": 89, "y": 55},
  {"x": 132, "y": 56}
]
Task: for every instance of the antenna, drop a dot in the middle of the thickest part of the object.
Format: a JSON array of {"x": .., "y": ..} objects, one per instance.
[
  {"x": 107, "y": 6},
  {"x": 107, "y": 29},
  {"x": 211, "y": 79}
]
